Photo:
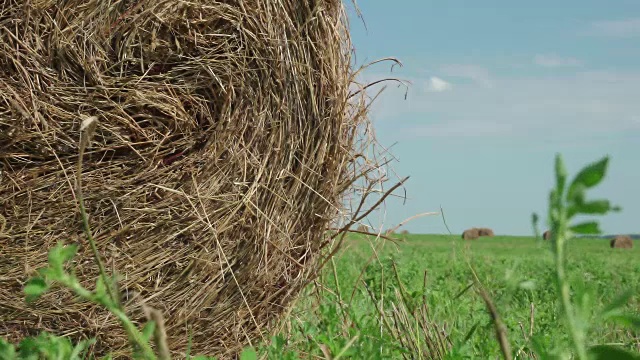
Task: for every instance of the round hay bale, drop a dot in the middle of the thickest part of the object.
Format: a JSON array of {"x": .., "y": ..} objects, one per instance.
[
  {"x": 621, "y": 242},
  {"x": 227, "y": 141},
  {"x": 362, "y": 228},
  {"x": 404, "y": 232},
  {"x": 471, "y": 234},
  {"x": 546, "y": 235},
  {"x": 485, "y": 232}
]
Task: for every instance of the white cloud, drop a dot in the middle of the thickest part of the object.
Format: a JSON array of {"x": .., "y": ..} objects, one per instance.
[
  {"x": 475, "y": 73},
  {"x": 435, "y": 84},
  {"x": 553, "y": 61},
  {"x": 617, "y": 28},
  {"x": 581, "y": 104}
]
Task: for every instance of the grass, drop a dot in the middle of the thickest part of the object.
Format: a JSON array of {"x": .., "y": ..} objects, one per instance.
[
  {"x": 432, "y": 297},
  {"x": 518, "y": 273}
]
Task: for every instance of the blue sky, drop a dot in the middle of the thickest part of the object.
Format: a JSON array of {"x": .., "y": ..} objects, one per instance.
[{"x": 497, "y": 89}]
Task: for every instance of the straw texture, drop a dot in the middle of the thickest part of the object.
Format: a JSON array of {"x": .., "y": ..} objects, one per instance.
[{"x": 227, "y": 144}]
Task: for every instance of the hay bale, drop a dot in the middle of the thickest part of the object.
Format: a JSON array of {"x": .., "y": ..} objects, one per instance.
[
  {"x": 404, "y": 232},
  {"x": 546, "y": 235},
  {"x": 485, "y": 232},
  {"x": 471, "y": 234},
  {"x": 474, "y": 233},
  {"x": 621, "y": 242},
  {"x": 227, "y": 141},
  {"x": 362, "y": 228}
]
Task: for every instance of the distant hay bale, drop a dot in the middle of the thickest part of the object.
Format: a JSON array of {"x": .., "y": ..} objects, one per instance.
[
  {"x": 621, "y": 242},
  {"x": 546, "y": 235},
  {"x": 227, "y": 142},
  {"x": 475, "y": 233},
  {"x": 485, "y": 232},
  {"x": 471, "y": 234},
  {"x": 362, "y": 228},
  {"x": 404, "y": 232}
]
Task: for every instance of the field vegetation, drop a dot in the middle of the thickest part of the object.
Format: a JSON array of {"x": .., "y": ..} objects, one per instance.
[
  {"x": 420, "y": 295},
  {"x": 429, "y": 296}
]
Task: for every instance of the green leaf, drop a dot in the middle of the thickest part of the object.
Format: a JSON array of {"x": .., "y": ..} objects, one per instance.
[
  {"x": 147, "y": 330},
  {"x": 34, "y": 288},
  {"x": 561, "y": 174},
  {"x": 463, "y": 291},
  {"x": 534, "y": 218},
  {"x": 79, "y": 351},
  {"x": 596, "y": 207},
  {"x": 626, "y": 320},
  {"x": 7, "y": 350},
  {"x": 586, "y": 228},
  {"x": 249, "y": 354},
  {"x": 48, "y": 274},
  {"x": 28, "y": 348},
  {"x": 534, "y": 224},
  {"x": 607, "y": 352},
  {"x": 56, "y": 257},
  {"x": 68, "y": 252},
  {"x": 101, "y": 289},
  {"x": 59, "y": 255},
  {"x": 599, "y": 207},
  {"x": 590, "y": 176},
  {"x": 577, "y": 194},
  {"x": 617, "y": 303},
  {"x": 541, "y": 352},
  {"x": 470, "y": 333}
]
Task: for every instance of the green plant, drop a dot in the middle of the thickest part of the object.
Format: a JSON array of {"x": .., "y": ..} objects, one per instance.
[
  {"x": 565, "y": 203},
  {"x": 44, "y": 346},
  {"x": 55, "y": 273}
]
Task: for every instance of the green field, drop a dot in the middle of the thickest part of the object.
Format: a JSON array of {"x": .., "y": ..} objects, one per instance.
[
  {"x": 427, "y": 297},
  {"x": 517, "y": 273}
]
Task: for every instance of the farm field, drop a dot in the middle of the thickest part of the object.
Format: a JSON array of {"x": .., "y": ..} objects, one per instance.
[{"x": 517, "y": 273}]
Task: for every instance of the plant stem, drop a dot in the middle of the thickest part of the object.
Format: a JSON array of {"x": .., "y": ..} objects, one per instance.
[
  {"x": 499, "y": 327},
  {"x": 576, "y": 332},
  {"x": 94, "y": 248},
  {"x": 86, "y": 132},
  {"x": 129, "y": 327}
]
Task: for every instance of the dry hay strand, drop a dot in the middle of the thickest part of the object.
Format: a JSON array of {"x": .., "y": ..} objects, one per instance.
[
  {"x": 228, "y": 141},
  {"x": 546, "y": 235},
  {"x": 471, "y": 234},
  {"x": 485, "y": 232},
  {"x": 621, "y": 242}
]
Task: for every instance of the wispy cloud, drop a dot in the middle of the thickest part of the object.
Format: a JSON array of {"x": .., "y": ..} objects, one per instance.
[
  {"x": 624, "y": 28},
  {"x": 435, "y": 84},
  {"x": 475, "y": 73},
  {"x": 555, "y": 61},
  {"x": 525, "y": 107}
]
